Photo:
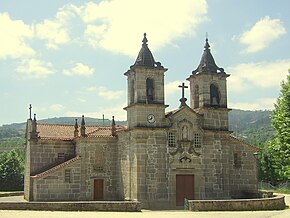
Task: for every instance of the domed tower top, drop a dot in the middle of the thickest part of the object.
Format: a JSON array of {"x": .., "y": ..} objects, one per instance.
[
  {"x": 145, "y": 57},
  {"x": 207, "y": 63}
]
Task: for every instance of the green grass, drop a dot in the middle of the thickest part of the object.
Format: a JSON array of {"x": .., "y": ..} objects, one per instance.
[{"x": 282, "y": 190}]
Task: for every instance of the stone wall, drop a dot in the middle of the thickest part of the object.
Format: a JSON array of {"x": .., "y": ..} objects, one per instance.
[
  {"x": 55, "y": 187},
  {"x": 143, "y": 162},
  {"x": 118, "y": 206},
  {"x": 215, "y": 118},
  {"x": 243, "y": 173},
  {"x": 45, "y": 154},
  {"x": 275, "y": 203},
  {"x": 204, "y": 80},
  {"x": 99, "y": 160}
]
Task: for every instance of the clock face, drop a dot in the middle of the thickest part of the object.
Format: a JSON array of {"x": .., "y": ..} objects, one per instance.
[{"x": 151, "y": 118}]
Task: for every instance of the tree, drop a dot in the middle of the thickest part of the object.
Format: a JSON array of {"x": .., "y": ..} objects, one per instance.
[
  {"x": 11, "y": 171},
  {"x": 278, "y": 151}
]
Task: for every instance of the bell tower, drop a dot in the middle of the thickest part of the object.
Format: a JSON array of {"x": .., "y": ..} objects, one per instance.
[
  {"x": 208, "y": 91},
  {"x": 145, "y": 80}
]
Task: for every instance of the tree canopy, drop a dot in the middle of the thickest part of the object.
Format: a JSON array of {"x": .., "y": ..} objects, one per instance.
[
  {"x": 11, "y": 171},
  {"x": 277, "y": 155}
]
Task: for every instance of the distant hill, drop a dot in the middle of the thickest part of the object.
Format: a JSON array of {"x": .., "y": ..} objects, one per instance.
[
  {"x": 251, "y": 126},
  {"x": 89, "y": 121}
]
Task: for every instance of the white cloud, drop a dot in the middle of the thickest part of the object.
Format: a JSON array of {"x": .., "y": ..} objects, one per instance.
[
  {"x": 262, "y": 34},
  {"x": 109, "y": 22},
  {"x": 56, "y": 31},
  {"x": 56, "y": 107},
  {"x": 79, "y": 69},
  {"x": 259, "y": 75},
  {"x": 109, "y": 94},
  {"x": 105, "y": 92},
  {"x": 34, "y": 68},
  {"x": 172, "y": 87},
  {"x": 13, "y": 36},
  {"x": 259, "y": 104}
]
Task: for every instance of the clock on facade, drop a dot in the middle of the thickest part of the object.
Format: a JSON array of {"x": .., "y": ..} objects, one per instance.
[{"x": 151, "y": 118}]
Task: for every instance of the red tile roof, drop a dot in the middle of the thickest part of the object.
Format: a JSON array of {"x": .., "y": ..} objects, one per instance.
[
  {"x": 66, "y": 132},
  {"x": 55, "y": 131},
  {"x": 53, "y": 169}
]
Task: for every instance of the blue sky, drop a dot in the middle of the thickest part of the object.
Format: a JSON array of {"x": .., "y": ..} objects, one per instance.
[{"x": 67, "y": 58}]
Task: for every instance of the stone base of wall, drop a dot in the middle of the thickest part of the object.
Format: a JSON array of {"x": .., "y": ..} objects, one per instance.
[
  {"x": 120, "y": 206},
  {"x": 274, "y": 203}
]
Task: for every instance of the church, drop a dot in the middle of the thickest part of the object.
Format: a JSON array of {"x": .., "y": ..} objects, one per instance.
[{"x": 159, "y": 158}]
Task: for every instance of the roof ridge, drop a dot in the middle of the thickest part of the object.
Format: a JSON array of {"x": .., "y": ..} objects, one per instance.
[
  {"x": 57, "y": 167},
  {"x": 56, "y": 124}
]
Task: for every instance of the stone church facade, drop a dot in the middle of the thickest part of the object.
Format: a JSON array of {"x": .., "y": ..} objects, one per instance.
[{"x": 159, "y": 158}]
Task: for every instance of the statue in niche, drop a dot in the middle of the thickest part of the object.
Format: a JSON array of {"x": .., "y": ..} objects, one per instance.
[{"x": 184, "y": 132}]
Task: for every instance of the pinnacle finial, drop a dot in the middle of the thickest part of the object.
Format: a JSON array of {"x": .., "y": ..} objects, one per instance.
[
  {"x": 206, "y": 46},
  {"x": 34, "y": 117},
  {"x": 83, "y": 127},
  {"x": 145, "y": 40},
  {"x": 83, "y": 120},
  {"x": 113, "y": 121},
  {"x": 113, "y": 126},
  {"x": 76, "y": 132}
]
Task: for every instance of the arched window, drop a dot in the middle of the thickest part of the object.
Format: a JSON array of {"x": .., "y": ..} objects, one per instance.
[
  {"x": 196, "y": 96},
  {"x": 214, "y": 95},
  {"x": 149, "y": 89}
]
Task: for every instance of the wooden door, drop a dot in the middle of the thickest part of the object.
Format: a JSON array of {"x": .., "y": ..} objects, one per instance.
[
  {"x": 184, "y": 188},
  {"x": 98, "y": 189}
]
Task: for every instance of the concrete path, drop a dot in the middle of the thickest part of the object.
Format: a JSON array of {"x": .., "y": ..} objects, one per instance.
[{"x": 143, "y": 214}]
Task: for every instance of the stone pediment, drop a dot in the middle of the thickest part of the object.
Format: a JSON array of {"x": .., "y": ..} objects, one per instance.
[{"x": 185, "y": 115}]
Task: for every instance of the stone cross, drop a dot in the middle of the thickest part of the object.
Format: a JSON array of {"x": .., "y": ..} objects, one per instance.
[
  {"x": 183, "y": 99},
  {"x": 30, "y": 107}
]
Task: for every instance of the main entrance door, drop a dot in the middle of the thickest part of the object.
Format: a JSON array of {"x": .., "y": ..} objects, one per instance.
[
  {"x": 184, "y": 188},
  {"x": 98, "y": 189}
]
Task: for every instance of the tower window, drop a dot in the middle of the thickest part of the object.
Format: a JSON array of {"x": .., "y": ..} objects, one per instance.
[
  {"x": 197, "y": 140},
  {"x": 150, "y": 90},
  {"x": 214, "y": 95},
  {"x": 171, "y": 139},
  {"x": 196, "y": 97}
]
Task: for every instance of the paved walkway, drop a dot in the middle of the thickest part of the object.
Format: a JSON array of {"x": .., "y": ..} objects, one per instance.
[{"x": 143, "y": 214}]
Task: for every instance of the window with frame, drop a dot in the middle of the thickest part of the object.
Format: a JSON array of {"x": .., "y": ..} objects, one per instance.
[
  {"x": 237, "y": 160},
  {"x": 197, "y": 140},
  {"x": 67, "y": 176},
  {"x": 171, "y": 139}
]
